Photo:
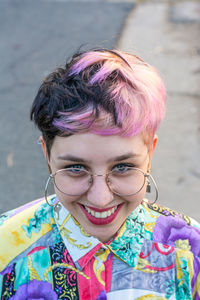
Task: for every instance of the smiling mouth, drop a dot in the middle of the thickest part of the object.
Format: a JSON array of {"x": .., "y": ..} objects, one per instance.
[{"x": 101, "y": 215}]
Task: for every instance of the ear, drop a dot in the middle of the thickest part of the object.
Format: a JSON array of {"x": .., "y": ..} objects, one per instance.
[
  {"x": 155, "y": 140},
  {"x": 44, "y": 149},
  {"x": 151, "y": 151}
]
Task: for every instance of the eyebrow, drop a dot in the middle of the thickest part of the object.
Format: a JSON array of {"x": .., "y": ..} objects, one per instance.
[
  {"x": 124, "y": 157},
  {"x": 70, "y": 157}
]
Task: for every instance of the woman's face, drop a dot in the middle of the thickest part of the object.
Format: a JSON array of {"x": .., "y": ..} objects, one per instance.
[{"x": 99, "y": 155}]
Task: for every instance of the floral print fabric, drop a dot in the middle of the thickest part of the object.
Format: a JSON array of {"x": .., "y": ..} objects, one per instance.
[{"x": 46, "y": 254}]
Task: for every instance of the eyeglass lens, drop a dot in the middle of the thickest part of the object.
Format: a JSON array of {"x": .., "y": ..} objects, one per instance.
[{"x": 77, "y": 182}]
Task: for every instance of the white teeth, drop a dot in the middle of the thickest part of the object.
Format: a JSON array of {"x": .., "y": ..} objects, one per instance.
[
  {"x": 101, "y": 215},
  {"x": 97, "y": 215},
  {"x": 104, "y": 214}
]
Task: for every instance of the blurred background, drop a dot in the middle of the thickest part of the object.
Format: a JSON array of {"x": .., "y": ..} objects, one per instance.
[{"x": 38, "y": 36}]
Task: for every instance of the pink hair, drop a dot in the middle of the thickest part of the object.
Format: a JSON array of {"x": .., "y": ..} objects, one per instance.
[{"x": 136, "y": 91}]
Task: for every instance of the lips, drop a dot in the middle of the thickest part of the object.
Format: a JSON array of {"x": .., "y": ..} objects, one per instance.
[{"x": 101, "y": 216}]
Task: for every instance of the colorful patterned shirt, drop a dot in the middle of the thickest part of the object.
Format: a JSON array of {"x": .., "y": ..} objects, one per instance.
[{"x": 46, "y": 254}]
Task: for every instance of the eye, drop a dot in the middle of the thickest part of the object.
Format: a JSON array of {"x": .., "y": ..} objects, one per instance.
[
  {"x": 75, "y": 167},
  {"x": 75, "y": 170},
  {"x": 122, "y": 168}
]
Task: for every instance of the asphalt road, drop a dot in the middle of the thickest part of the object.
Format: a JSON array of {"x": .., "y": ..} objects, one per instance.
[{"x": 37, "y": 36}]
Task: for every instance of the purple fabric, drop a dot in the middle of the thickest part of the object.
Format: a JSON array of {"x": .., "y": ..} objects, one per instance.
[
  {"x": 35, "y": 290},
  {"x": 29, "y": 204},
  {"x": 196, "y": 273},
  {"x": 170, "y": 229},
  {"x": 102, "y": 296},
  {"x": 7, "y": 270}
]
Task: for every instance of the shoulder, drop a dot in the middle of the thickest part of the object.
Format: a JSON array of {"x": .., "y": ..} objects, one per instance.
[
  {"x": 176, "y": 239},
  {"x": 23, "y": 227},
  {"x": 172, "y": 228}
]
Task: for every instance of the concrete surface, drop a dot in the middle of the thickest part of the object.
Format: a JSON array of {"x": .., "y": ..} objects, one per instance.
[
  {"x": 36, "y": 37},
  {"x": 174, "y": 49}
]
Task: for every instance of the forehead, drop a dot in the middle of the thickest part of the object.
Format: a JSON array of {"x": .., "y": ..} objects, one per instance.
[{"x": 92, "y": 146}]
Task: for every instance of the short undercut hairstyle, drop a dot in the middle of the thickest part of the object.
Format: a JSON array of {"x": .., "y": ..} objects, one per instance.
[{"x": 106, "y": 92}]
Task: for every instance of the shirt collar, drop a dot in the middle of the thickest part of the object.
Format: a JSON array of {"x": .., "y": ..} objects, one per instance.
[
  {"x": 82, "y": 246},
  {"x": 128, "y": 243}
]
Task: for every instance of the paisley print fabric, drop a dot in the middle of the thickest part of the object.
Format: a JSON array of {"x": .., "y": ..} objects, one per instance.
[{"x": 46, "y": 254}]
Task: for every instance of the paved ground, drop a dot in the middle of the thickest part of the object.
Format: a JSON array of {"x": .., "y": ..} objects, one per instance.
[
  {"x": 166, "y": 34},
  {"x": 37, "y": 36}
]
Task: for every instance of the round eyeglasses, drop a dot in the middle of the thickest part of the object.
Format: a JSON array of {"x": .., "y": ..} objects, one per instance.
[{"x": 126, "y": 181}]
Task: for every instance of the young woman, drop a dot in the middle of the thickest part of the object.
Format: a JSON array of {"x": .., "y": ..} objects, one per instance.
[{"x": 98, "y": 237}]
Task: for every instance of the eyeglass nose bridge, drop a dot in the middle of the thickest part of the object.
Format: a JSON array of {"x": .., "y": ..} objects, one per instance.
[{"x": 100, "y": 175}]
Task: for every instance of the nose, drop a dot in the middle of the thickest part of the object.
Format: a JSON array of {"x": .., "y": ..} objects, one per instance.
[{"x": 99, "y": 193}]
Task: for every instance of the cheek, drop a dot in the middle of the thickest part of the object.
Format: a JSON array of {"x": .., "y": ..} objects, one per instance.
[
  {"x": 136, "y": 199},
  {"x": 142, "y": 193},
  {"x": 65, "y": 199}
]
